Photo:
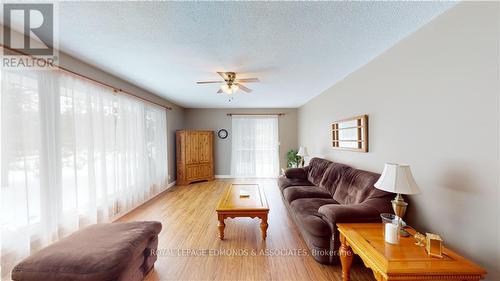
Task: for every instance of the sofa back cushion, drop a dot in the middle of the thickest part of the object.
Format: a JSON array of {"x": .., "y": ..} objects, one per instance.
[
  {"x": 316, "y": 169},
  {"x": 356, "y": 186},
  {"x": 332, "y": 176}
]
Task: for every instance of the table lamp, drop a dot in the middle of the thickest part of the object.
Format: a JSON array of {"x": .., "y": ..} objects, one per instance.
[
  {"x": 397, "y": 178},
  {"x": 302, "y": 153}
]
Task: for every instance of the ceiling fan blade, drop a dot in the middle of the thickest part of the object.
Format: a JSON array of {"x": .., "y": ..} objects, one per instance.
[
  {"x": 247, "y": 80},
  {"x": 219, "y": 91},
  {"x": 223, "y": 75},
  {"x": 243, "y": 88},
  {"x": 210, "y": 82}
]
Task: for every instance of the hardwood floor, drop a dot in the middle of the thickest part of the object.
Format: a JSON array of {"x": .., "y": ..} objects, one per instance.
[{"x": 189, "y": 243}]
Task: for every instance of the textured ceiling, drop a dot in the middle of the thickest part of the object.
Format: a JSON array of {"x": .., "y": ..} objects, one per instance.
[{"x": 297, "y": 49}]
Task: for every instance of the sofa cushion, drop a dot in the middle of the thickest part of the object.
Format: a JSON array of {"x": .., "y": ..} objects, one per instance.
[
  {"x": 337, "y": 213},
  {"x": 332, "y": 176},
  {"x": 286, "y": 182},
  {"x": 296, "y": 173},
  {"x": 355, "y": 186},
  {"x": 296, "y": 192},
  {"x": 98, "y": 252},
  {"x": 306, "y": 214},
  {"x": 317, "y": 167}
]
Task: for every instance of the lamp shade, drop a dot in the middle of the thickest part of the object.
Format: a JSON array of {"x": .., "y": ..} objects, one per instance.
[
  {"x": 397, "y": 178},
  {"x": 302, "y": 151}
]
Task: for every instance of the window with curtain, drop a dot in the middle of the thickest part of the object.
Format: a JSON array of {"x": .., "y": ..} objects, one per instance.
[
  {"x": 72, "y": 153},
  {"x": 255, "y": 146}
]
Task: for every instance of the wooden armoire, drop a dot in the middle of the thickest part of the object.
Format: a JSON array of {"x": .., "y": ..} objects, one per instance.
[{"x": 195, "y": 161}]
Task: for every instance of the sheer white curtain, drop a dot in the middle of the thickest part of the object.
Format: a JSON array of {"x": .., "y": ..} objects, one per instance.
[
  {"x": 72, "y": 154},
  {"x": 255, "y": 146}
]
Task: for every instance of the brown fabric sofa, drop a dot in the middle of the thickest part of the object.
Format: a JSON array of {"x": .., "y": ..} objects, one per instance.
[
  {"x": 100, "y": 252},
  {"x": 325, "y": 193}
]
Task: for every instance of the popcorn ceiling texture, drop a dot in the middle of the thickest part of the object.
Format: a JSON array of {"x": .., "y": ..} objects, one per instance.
[{"x": 297, "y": 49}]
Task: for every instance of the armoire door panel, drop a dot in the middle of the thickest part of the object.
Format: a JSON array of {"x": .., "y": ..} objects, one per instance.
[
  {"x": 205, "y": 170},
  {"x": 192, "y": 171},
  {"x": 192, "y": 148},
  {"x": 205, "y": 147}
]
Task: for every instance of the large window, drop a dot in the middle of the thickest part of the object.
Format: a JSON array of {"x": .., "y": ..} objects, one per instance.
[
  {"x": 72, "y": 153},
  {"x": 255, "y": 150}
]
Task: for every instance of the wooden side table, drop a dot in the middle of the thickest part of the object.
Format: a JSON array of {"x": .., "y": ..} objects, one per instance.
[{"x": 404, "y": 261}]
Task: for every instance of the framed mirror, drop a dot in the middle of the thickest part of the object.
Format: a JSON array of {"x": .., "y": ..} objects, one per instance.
[{"x": 351, "y": 134}]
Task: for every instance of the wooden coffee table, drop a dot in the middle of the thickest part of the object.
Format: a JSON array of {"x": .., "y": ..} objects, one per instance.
[
  {"x": 405, "y": 261},
  {"x": 232, "y": 205}
]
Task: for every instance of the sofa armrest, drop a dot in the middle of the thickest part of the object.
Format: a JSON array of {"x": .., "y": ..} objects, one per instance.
[
  {"x": 336, "y": 213},
  {"x": 296, "y": 173}
]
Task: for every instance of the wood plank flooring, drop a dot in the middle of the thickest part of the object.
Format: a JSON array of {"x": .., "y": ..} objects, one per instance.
[{"x": 189, "y": 248}]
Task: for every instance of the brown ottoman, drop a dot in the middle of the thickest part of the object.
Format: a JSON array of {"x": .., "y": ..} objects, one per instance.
[{"x": 114, "y": 251}]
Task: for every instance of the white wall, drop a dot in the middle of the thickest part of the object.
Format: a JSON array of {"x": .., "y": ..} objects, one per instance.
[
  {"x": 216, "y": 119},
  {"x": 433, "y": 102}
]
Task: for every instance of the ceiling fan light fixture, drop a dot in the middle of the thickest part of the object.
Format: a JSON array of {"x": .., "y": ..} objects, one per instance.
[
  {"x": 229, "y": 89},
  {"x": 224, "y": 88},
  {"x": 231, "y": 84}
]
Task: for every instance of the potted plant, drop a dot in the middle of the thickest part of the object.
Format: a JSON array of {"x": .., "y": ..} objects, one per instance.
[{"x": 292, "y": 158}]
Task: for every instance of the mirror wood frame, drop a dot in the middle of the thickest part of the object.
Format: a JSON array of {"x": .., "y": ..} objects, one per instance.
[{"x": 361, "y": 133}]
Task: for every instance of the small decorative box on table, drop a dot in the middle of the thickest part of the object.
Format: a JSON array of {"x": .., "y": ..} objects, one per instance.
[{"x": 253, "y": 205}]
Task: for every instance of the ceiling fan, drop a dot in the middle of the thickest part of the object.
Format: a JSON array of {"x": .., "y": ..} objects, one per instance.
[{"x": 231, "y": 84}]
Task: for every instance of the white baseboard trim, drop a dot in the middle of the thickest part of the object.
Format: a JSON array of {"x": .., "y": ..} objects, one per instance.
[
  {"x": 224, "y": 177},
  {"x": 118, "y": 216}
]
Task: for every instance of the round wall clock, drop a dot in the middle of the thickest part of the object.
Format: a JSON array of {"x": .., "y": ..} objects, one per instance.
[{"x": 222, "y": 133}]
